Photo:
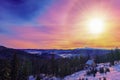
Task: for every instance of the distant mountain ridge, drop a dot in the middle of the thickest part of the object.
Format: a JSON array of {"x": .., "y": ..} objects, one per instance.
[
  {"x": 70, "y": 52},
  {"x": 7, "y": 53},
  {"x": 47, "y": 53}
]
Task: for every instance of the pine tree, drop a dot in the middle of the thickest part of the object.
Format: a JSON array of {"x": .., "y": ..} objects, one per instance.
[
  {"x": 25, "y": 70},
  {"x": 53, "y": 63},
  {"x": 5, "y": 71},
  {"x": 14, "y": 67}
]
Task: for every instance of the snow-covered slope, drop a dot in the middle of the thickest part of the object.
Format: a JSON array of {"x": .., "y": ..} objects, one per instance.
[{"x": 114, "y": 74}]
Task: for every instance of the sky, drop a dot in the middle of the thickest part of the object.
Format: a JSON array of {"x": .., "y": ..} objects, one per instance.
[{"x": 58, "y": 24}]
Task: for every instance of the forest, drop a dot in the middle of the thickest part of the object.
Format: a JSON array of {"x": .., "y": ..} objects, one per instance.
[{"x": 19, "y": 69}]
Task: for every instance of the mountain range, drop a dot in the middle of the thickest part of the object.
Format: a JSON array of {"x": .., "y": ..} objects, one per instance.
[{"x": 47, "y": 53}]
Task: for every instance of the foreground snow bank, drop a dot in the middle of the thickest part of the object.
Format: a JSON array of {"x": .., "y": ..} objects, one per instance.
[
  {"x": 44, "y": 78},
  {"x": 31, "y": 78}
]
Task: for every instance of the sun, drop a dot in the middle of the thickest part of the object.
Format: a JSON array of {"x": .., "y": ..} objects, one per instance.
[{"x": 96, "y": 25}]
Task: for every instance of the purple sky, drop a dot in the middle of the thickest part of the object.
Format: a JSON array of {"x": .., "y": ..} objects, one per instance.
[{"x": 57, "y": 23}]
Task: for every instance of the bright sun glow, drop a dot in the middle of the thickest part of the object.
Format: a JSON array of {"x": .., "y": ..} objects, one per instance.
[{"x": 96, "y": 25}]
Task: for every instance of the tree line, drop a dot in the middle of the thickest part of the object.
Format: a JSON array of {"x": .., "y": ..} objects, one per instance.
[
  {"x": 114, "y": 55},
  {"x": 17, "y": 69}
]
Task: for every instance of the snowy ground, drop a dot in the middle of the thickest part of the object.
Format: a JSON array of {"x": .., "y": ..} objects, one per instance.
[{"x": 114, "y": 74}]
